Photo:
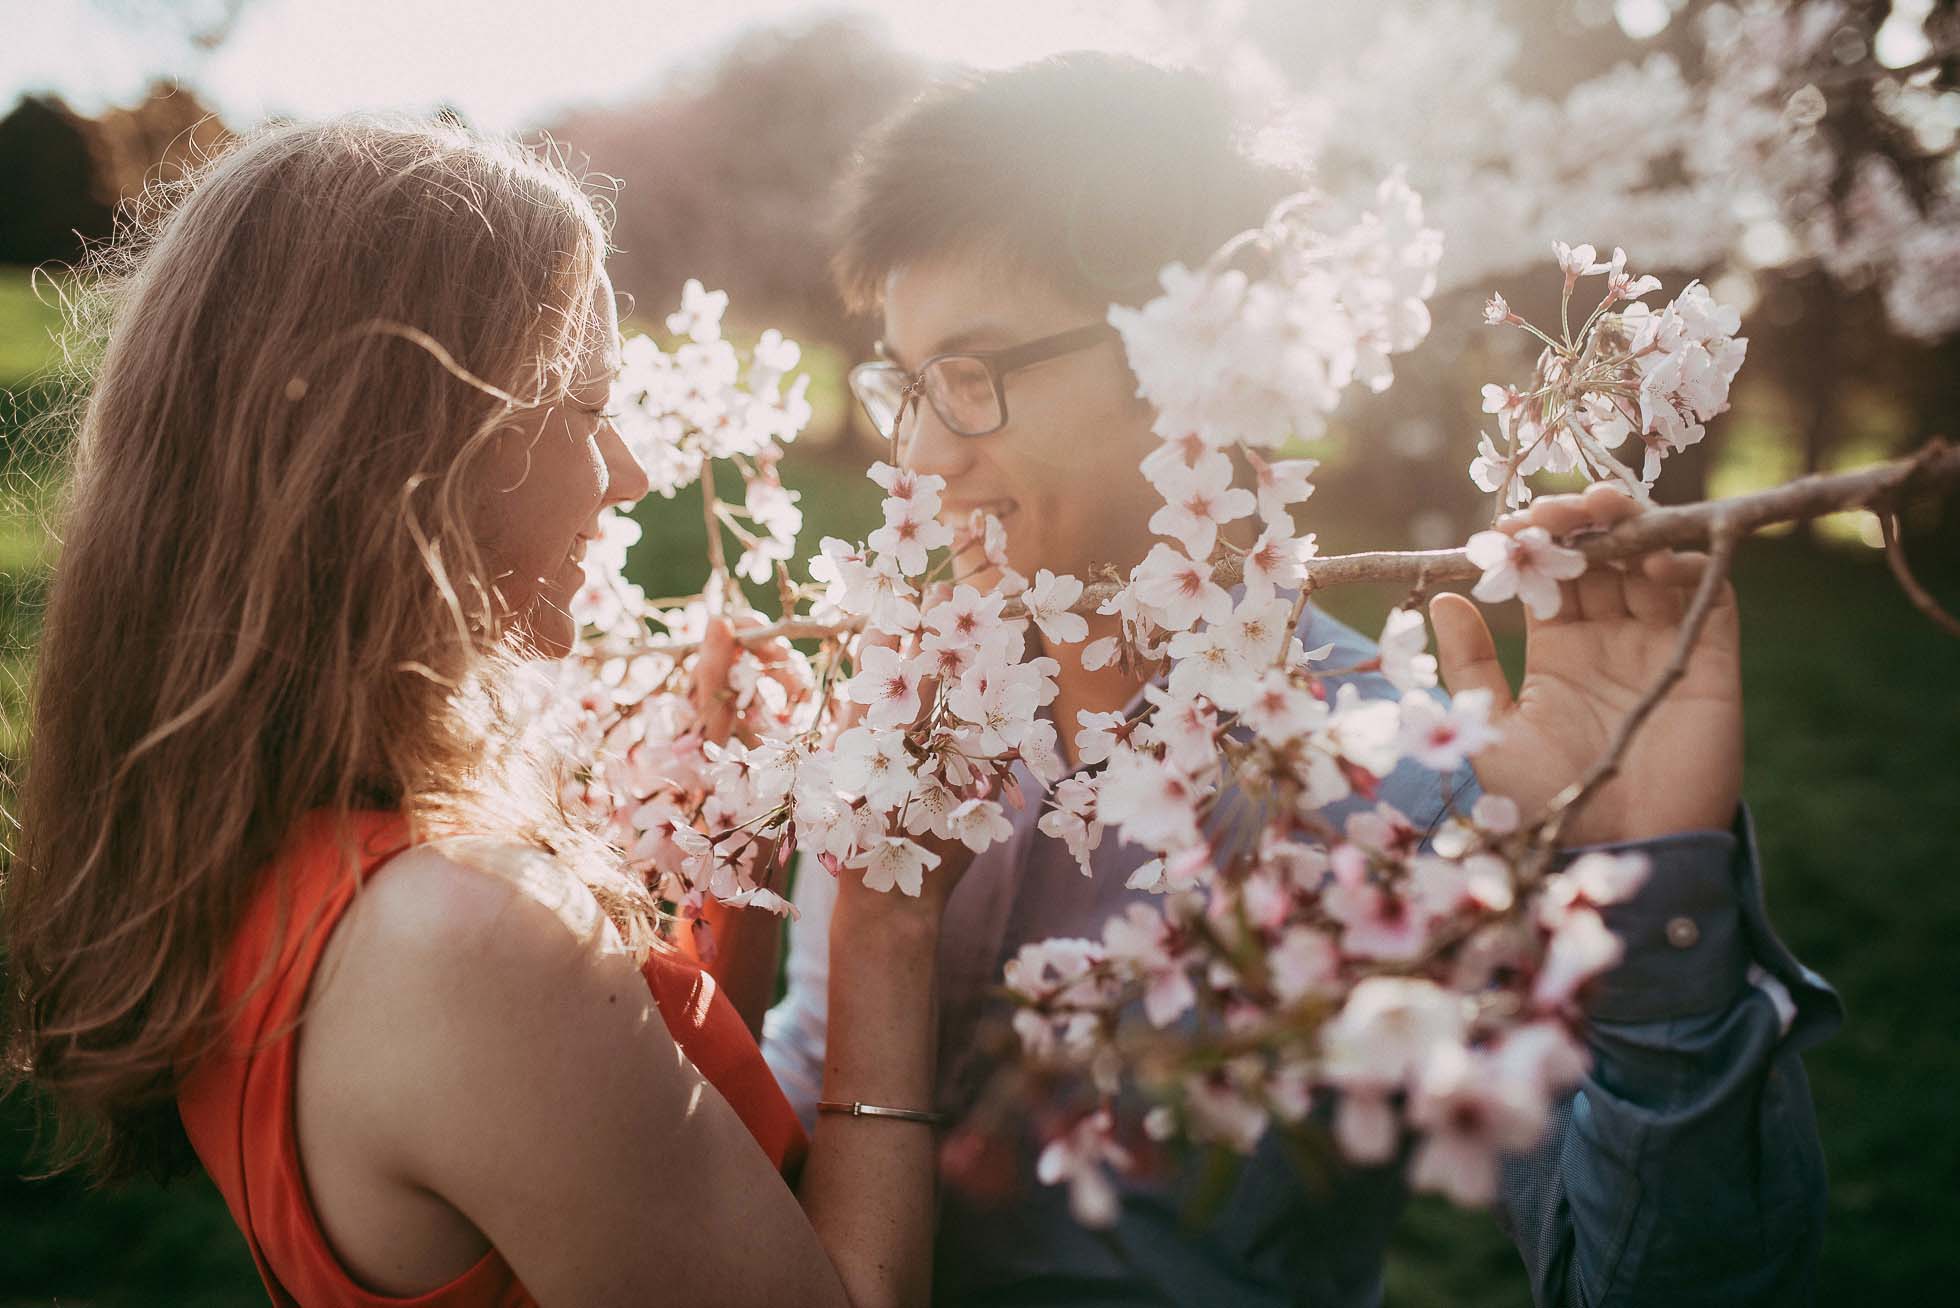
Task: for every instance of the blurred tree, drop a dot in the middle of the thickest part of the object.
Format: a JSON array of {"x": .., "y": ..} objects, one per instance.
[
  {"x": 168, "y": 132},
  {"x": 1800, "y": 154},
  {"x": 728, "y": 173},
  {"x": 68, "y": 173},
  {"x": 53, "y": 203}
]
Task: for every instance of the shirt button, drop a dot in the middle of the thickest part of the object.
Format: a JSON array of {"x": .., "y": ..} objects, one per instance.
[{"x": 1682, "y": 932}]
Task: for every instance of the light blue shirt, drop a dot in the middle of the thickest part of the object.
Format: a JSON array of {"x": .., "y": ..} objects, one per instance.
[{"x": 1685, "y": 1169}]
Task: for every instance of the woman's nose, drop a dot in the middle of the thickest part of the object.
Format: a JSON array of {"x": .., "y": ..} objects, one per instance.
[{"x": 626, "y": 480}]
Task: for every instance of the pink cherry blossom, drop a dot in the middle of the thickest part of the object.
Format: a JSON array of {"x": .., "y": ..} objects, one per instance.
[
  {"x": 1073, "y": 820},
  {"x": 1198, "y": 499},
  {"x": 1280, "y": 709},
  {"x": 1469, "y": 1119},
  {"x": 1081, "y": 1157},
  {"x": 1577, "y": 261},
  {"x": 1388, "y": 1028},
  {"x": 1527, "y": 565},
  {"x": 1048, "y": 601},
  {"x": 1178, "y": 591},
  {"x": 1095, "y": 735},
  {"x": 1152, "y": 801},
  {"x": 875, "y": 764},
  {"x": 1581, "y": 948},
  {"x": 1440, "y": 737},
  {"x": 1276, "y": 560},
  {"x": 1304, "y": 962},
  {"x": 894, "y": 861},
  {"x": 1623, "y": 285},
  {"x": 1491, "y": 470},
  {"x": 1141, "y": 940},
  {"x": 888, "y": 683},
  {"x": 1279, "y": 485},
  {"x": 1405, "y": 657},
  {"x": 907, "y": 485},
  {"x": 1596, "y": 878},
  {"x": 1497, "y": 814},
  {"x": 699, "y": 316},
  {"x": 979, "y": 823},
  {"x": 962, "y": 619},
  {"x": 909, "y": 534},
  {"x": 1376, "y": 922}
]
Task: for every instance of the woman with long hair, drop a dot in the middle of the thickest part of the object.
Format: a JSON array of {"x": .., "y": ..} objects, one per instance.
[{"x": 290, "y": 891}]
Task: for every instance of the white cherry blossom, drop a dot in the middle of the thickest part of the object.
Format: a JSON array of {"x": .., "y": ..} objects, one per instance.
[
  {"x": 888, "y": 683},
  {"x": 1177, "y": 591},
  {"x": 895, "y": 862},
  {"x": 1405, "y": 657},
  {"x": 1048, "y": 600},
  {"x": 1527, "y": 565},
  {"x": 1199, "y": 498}
]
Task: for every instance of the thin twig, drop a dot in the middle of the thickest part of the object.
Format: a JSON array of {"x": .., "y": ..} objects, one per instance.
[
  {"x": 717, "y": 557},
  {"x": 1895, "y": 557},
  {"x": 1715, "y": 573}
]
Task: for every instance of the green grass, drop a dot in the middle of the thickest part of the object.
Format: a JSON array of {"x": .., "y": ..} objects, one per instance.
[
  {"x": 28, "y": 320},
  {"x": 1853, "y": 773}
]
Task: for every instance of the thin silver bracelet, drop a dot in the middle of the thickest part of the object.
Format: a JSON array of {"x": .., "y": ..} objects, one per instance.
[{"x": 873, "y": 1110}]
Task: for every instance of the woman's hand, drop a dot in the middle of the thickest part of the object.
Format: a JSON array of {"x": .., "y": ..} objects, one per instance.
[
  {"x": 715, "y": 699},
  {"x": 1615, "y": 631}
]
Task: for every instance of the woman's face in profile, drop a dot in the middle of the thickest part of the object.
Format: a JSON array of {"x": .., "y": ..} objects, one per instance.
[{"x": 552, "y": 471}]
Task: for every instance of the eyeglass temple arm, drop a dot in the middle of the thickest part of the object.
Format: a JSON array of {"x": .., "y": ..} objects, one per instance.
[{"x": 1049, "y": 347}]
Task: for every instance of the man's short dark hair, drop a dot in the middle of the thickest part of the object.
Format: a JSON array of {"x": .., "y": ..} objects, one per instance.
[{"x": 1090, "y": 171}]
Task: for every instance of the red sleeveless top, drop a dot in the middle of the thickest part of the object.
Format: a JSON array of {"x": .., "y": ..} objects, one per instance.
[{"x": 237, "y": 1104}]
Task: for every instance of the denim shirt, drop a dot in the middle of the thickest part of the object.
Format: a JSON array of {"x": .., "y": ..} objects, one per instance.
[{"x": 1685, "y": 1168}]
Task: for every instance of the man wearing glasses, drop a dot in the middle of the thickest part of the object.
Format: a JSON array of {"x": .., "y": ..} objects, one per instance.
[{"x": 992, "y": 225}]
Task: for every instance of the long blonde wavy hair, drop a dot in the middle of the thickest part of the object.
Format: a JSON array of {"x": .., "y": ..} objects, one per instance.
[{"x": 269, "y": 599}]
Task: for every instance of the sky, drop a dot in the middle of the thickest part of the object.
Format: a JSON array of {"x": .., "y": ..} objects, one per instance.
[{"x": 503, "y": 63}]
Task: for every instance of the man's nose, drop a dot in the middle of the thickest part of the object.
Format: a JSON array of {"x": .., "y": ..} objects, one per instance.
[{"x": 925, "y": 444}]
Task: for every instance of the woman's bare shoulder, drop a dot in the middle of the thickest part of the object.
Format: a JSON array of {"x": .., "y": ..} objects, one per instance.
[
  {"x": 449, "y": 900},
  {"x": 457, "y": 958}
]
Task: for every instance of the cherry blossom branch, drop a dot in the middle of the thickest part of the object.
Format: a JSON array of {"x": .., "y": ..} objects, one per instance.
[
  {"x": 1895, "y": 558},
  {"x": 1934, "y": 469},
  {"x": 717, "y": 557}
]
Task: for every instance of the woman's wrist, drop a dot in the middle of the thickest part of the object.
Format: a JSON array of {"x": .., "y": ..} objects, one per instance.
[{"x": 874, "y": 917}]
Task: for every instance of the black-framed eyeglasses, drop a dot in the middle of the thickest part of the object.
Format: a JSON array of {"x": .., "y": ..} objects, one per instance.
[{"x": 965, "y": 388}]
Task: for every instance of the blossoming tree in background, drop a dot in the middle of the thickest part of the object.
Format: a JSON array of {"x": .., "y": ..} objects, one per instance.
[{"x": 1765, "y": 137}]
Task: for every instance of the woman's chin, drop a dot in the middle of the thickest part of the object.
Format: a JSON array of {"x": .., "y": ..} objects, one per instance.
[{"x": 548, "y": 635}]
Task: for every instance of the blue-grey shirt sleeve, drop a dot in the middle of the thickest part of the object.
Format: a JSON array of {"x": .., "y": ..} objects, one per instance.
[{"x": 1686, "y": 1168}]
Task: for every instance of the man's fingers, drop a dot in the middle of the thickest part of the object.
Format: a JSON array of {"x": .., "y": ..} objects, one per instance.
[
  {"x": 1602, "y": 593},
  {"x": 1465, "y": 652},
  {"x": 1683, "y": 570},
  {"x": 1656, "y": 603},
  {"x": 1557, "y": 514},
  {"x": 1606, "y": 503},
  {"x": 1675, "y": 567}
]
